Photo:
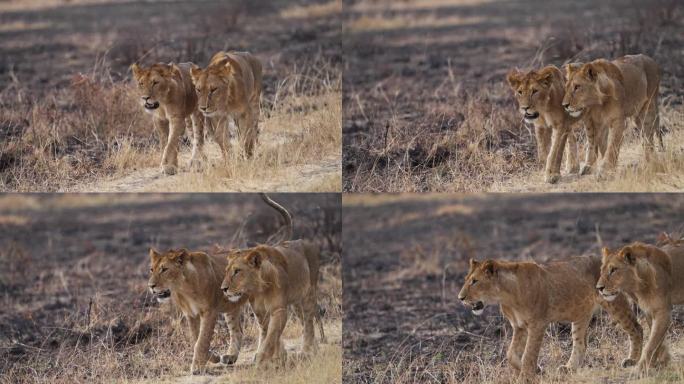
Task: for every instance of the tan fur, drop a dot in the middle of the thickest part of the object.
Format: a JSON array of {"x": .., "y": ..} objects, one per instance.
[
  {"x": 273, "y": 278},
  {"x": 230, "y": 86},
  {"x": 533, "y": 295},
  {"x": 539, "y": 94},
  {"x": 167, "y": 93},
  {"x": 193, "y": 280},
  {"x": 604, "y": 94},
  {"x": 651, "y": 276}
]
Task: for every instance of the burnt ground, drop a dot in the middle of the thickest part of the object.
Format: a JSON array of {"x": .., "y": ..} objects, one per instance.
[
  {"x": 47, "y": 47},
  {"x": 75, "y": 269},
  {"x": 425, "y": 81},
  {"x": 405, "y": 258}
]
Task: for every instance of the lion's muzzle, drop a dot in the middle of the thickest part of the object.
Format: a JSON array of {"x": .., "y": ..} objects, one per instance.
[
  {"x": 530, "y": 116},
  {"x": 162, "y": 295},
  {"x": 607, "y": 295}
]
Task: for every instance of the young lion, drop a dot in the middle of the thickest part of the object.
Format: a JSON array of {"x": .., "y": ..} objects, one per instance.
[
  {"x": 273, "y": 278},
  {"x": 651, "y": 276},
  {"x": 167, "y": 93},
  {"x": 533, "y": 295},
  {"x": 539, "y": 94},
  {"x": 604, "y": 93},
  {"x": 230, "y": 87},
  {"x": 192, "y": 280}
]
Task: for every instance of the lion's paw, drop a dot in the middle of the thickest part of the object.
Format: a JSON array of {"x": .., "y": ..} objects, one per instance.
[{"x": 229, "y": 359}]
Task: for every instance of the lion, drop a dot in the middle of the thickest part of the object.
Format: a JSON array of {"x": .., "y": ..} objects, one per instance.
[
  {"x": 603, "y": 94},
  {"x": 539, "y": 94},
  {"x": 273, "y": 278},
  {"x": 533, "y": 295},
  {"x": 650, "y": 276},
  {"x": 192, "y": 281},
  {"x": 166, "y": 92},
  {"x": 230, "y": 86}
]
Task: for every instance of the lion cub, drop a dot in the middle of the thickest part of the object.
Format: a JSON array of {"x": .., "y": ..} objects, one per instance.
[
  {"x": 167, "y": 93},
  {"x": 230, "y": 87},
  {"x": 604, "y": 94},
  {"x": 192, "y": 280},
  {"x": 539, "y": 94},
  {"x": 651, "y": 276},
  {"x": 533, "y": 295}
]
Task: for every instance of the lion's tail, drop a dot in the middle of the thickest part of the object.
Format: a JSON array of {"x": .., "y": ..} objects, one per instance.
[{"x": 286, "y": 215}]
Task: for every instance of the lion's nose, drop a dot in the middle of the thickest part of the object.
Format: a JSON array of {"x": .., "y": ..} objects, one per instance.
[
  {"x": 461, "y": 298},
  {"x": 600, "y": 287},
  {"x": 566, "y": 105},
  {"x": 145, "y": 98},
  {"x": 152, "y": 285},
  {"x": 525, "y": 108},
  {"x": 203, "y": 109},
  {"x": 224, "y": 289}
]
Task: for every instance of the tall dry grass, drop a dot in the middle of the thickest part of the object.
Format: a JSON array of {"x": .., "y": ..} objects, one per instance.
[{"x": 95, "y": 130}]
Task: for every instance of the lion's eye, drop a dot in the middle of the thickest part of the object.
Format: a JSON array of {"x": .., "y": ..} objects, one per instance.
[
  {"x": 198, "y": 90},
  {"x": 519, "y": 92},
  {"x": 163, "y": 269},
  {"x": 236, "y": 271},
  {"x": 534, "y": 91},
  {"x": 576, "y": 87},
  {"x": 212, "y": 90},
  {"x": 140, "y": 84},
  {"x": 473, "y": 282},
  {"x": 611, "y": 271},
  {"x": 155, "y": 83},
  {"x": 151, "y": 269}
]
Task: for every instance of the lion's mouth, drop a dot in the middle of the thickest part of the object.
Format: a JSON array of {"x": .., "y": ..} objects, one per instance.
[
  {"x": 531, "y": 116},
  {"x": 609, "y": 296},
  {"x": 162, "y": 295},
  {"x": 233, "y": 297},
  {"x": 477, "y": 308},
  {"x": 574, "y": 113},
  {"x": 151, "y": 106}
]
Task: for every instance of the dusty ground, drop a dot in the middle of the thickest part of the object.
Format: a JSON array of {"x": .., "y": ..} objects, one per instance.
[
  {"x": 426, "y": 107},
  {"x": 405, "y": 258},
  {"x": 70, "y": 119},
  {"x": 74, "y": 284}
]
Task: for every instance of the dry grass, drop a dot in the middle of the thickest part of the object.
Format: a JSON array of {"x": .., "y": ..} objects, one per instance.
[
  {"x": 331, "y": 8},
  {"x": 484, "y": 361},
  {"x": 91, "y": 135}
]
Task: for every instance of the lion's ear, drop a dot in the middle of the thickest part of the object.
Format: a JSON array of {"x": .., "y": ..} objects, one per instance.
[
  {"x": 473, "y": 263},
  {"x": 195, "y": 72},
  {"x": 546, "y": 74},
  {"x": 571, "y": 68},
  {"x": 628, "y": 255},
  {"x": 514, "y": 78},
  {"x": 174, "y": 69},
  {"x": 137, "y": 71},
  {"x": 254, "y": 259},
  {"x": 605, "y": 252},
  {"x": 489, "y": 267},
  {"x": 154, "y": 255},
  {"x": 181, "y": 256},
  {"x": 590, "y": 71}
]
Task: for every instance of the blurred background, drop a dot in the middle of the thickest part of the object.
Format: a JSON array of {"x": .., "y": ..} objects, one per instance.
[
  {"x": 406, "y": 255},
  {"x": 73, "y": 282}
]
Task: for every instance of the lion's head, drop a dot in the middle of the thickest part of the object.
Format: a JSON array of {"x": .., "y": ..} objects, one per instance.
[
  {"x": 587, "y": 85},
  {"x": 480, "y": 285},
  {"x": 618, "y": 271},
  {"x": 216, "y": 86},
  {"x": 155, "y": 83},
  {"x": 533, "y": 89},
  {"x": 166, "y": 272},
  {"x": 243, "y": 274}
]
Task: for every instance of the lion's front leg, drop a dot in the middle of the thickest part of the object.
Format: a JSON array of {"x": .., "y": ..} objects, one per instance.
[
  {"x": 555, "y": 156},
  {"x": 271, "y": 348},
  {"x": 543, "y": 135},
  {"x": 517, "y": 347},
  {"x": 620, "y": 310},
  {"x": 162, "y": 127},
  {"x": 234, "y": 321},
  {"x": 201, "y": 352},
  {"x": 247, "y": 131},
  {"x": 571, "y": 157},
  {"x": 170, "y": 157},
  {"x": 535, "y": 337},
  {"x": 660, "y": 323},
  {"x": 591, "y": 151},
  {"x": 197, "y": 157},
  {"x": 615, "y": 134}
]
